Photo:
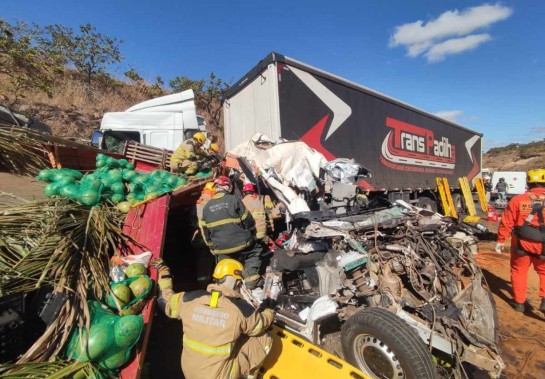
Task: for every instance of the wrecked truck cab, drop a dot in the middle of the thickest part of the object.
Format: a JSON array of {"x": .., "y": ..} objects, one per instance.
[
  {"x": 402, "y": 280},
  {"x": 403, "y": 285}
]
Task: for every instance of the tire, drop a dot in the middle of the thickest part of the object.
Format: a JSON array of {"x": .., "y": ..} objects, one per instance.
[
  {"x": 427, "y": 204},
  {"x": 383, "y": 346}
]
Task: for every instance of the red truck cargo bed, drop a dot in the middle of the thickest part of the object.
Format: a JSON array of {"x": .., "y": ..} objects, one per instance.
[{"x": 147, "y": 224}]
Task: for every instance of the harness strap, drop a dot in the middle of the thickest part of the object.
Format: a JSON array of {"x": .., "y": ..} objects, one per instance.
[{"x": 538, "y": 203}]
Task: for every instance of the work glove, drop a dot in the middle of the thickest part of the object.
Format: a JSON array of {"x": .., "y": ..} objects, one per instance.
[
  {"x": 268, "y": 303},
  {"x": 500, "y": 248},
  {"x": 164, "y": 277},
  {"x": 158, "y": 264}
]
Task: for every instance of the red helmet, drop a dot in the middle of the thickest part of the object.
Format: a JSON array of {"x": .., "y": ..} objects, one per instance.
[
  {"x": 248, "y": 187},
  {"x": 222, "y": 181}
]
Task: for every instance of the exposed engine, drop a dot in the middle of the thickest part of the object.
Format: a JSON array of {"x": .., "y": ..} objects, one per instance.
[
  {"x": 414, "y": 263},
  {"x": 402, "y": 281}
]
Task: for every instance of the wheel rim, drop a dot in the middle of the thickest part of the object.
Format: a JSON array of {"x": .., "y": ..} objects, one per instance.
[{"x": 375, "y": 358}]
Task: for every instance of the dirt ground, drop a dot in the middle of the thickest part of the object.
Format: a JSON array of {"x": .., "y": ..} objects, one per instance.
[
  {"x": 14, "y": 188},
  {"x": 522, "y": 336}
]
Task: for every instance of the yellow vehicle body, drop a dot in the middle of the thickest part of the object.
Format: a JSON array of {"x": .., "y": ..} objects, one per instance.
[{"x": 292, "y": 357}]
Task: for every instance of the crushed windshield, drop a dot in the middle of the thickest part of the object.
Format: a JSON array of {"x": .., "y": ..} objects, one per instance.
[{"x": 114, "y": 140}]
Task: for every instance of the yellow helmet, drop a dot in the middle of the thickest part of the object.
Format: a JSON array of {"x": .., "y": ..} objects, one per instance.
[
  {"x": 199, "y": 137},
  {"x": 214, "y": 147},
  {"x": 227, "y": 267},
  {"x": 209, "y": 186},
  {"x": 536, "y": 176}
]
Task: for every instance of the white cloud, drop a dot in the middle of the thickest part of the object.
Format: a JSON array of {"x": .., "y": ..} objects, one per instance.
[
  {"x": 449, "y": 115},
  {"x": 455, "y": 46},
  {"x": 441, "y": 36},
  {"x": 537, "y": 129}
]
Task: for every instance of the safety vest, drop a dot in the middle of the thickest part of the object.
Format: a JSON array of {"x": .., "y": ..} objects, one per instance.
[
  {"x": 227, "y": 226},
  {"x": 254, "y": 204}
]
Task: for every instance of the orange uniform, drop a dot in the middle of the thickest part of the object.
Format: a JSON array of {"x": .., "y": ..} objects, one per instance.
[{"x": 524, "y": 253}]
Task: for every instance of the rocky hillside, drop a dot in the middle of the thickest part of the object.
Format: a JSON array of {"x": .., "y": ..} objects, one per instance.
[
  {"x": 75, "y": 109},
  {"x": 516, "y": 157}
]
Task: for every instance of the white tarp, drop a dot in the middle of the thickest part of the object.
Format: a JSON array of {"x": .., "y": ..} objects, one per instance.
[{"x": 284, "y": 165}]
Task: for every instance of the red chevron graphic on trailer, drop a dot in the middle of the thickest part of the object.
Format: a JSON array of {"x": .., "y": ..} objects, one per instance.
[{"x": 313, "y": 138}]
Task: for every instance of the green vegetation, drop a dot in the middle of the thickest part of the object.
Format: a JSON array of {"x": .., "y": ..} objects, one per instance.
[
  {"x": 89, "y": 52},
  {"x": 208, "y": 94},
  {"x": 64, "y": 75},
  {"x": 24, "y": 62},
  {"x": 523, "y": 151}
]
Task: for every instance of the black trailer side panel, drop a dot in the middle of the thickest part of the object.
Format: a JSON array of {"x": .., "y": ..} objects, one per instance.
[{"x": 404, "y": 148}]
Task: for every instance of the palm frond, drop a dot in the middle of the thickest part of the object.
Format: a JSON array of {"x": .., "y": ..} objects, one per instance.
[
  {"x": 66, "y": 246},
  {"x": 20, "y": 152},
  {"x": 53, "y": 370}
]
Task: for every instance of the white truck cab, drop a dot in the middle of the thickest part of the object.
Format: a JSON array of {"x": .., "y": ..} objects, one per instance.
[{"x": 163, "y": 122}]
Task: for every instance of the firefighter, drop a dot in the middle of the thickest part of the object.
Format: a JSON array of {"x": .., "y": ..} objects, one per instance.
[
  {"x": 523, "y": 219},
  {"x": 229, "y": 230},
  {"x": 187, "y": 157},
  {"x": 254, "y": 204},
  {"x": 205, "y": 260},
  {"x": 207, "y": 194},
  {"x": 214, "y": 148},
  {"x": 224, "y": 337}
]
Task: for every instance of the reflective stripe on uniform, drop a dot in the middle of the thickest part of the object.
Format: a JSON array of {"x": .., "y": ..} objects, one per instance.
[
  {"x": 225, "y": 221},
  {"x": 257, "y": 328},
  {"x": 206, "y": 349},
  {"x": 215, "y": 295},
  {"x": 232, "y": 249},
  {"x": 232, "y": 370},
  {"x": 173, "y": 303}
]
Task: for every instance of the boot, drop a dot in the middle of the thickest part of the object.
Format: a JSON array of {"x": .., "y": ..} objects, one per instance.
[
  {"x": 542, "y": 305},
  {"x": 519, "y": 307}
]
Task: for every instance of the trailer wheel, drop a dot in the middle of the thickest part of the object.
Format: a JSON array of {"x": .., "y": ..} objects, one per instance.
[
  {"x": 427, "y": 204},
  {"x": 383, "y": 346}
]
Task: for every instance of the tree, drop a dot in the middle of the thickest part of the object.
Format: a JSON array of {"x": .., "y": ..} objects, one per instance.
[
  {"x": 150, "y": 90},
  {"x": 208, "y": 95},
  {"x": 24, "y": 62},
  {"x": 89, "y": 52}
]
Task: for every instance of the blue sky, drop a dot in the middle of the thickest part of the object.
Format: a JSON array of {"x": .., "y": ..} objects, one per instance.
[{"x": 480, "y": 64}]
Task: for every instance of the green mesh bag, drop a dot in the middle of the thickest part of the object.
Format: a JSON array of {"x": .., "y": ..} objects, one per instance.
[
  {"x": 110, "y": 340},
  {"x": 53, "y": 174},
  {"x": 65, "y": 172},
  {"x": 45, "y": 175},
  {"x": 138, "y": 300},
  {"x": 203, "y": 174}
]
